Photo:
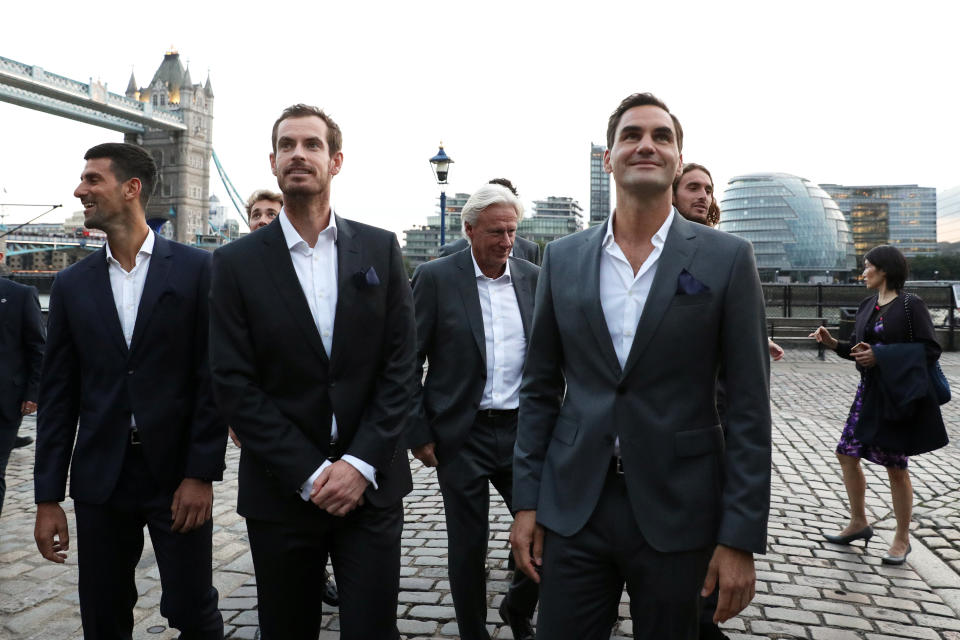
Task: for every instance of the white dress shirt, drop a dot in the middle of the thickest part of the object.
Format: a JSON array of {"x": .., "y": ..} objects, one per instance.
[
  {"x": 316, "y": 269},
  {"x": 506, "y": 343},
  {"x": 127, "y": 288},
  {"x": 623, "y": 294}
]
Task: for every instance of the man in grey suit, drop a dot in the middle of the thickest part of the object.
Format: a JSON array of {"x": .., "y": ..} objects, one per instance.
[
  {"x": 474, "y": 311},
  {"x": 622, "y": 471},
  {"x": 522, "y": 248}
]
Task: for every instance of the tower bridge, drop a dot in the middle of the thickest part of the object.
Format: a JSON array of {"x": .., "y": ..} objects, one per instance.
[{"x": 171, "y": 117}]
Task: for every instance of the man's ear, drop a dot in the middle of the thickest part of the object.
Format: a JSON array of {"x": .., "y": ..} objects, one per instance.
[
  {"x": 336, "y": 163},
  {"x": 273, "y": 163},
  {"x": 131, "y": 189}
]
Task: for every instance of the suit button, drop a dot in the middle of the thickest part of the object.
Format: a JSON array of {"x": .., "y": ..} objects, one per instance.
[
  {"x": 332, "y": 385},
  {"x": 130, "y": 372},
  {"x": 621, "y": 390}
]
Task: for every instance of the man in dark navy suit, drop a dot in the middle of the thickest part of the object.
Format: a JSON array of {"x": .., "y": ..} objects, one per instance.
[
  {"x": 127, "y": 358},
  {"x": 21, "y": 351}
]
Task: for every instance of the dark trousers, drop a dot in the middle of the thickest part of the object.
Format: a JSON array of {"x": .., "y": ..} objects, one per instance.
[
  {"x": 485, "y": 458},
  {"x": 109, "y": 545},
  {"x": 8, "y": 434},
  {"x": 290, "y": 560},
  {"x": 584, "y": 574}
]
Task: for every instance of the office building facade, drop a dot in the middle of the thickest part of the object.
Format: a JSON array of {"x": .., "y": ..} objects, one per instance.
[
  {"x": 599, "y": 186},
  {"x": 904, "y": 216},
  {"x": 948, "y": 215}
]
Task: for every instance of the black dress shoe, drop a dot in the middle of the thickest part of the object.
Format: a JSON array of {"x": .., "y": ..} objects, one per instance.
[
  {"x": 330, "y": 595},
  {"x": 864, "y": 534},
  {"x": 21, "y": 441},
  {"x": 710, "y": 631},
  {"x": 519, "y": 624}
]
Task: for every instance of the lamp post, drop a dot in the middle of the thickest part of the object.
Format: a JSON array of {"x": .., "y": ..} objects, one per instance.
[{"x": 440, "y": 164}]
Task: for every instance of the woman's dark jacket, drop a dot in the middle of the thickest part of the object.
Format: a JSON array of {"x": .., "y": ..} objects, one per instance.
[{"x": 900, "y": 411}]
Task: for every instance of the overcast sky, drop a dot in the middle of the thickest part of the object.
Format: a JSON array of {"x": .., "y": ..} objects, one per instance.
[{"x": 844, "y": 92}]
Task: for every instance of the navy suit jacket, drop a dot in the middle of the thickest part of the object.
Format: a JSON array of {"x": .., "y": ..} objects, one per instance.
[
  {"x": 163, "y": 379},
  {"x": 21, "y": 348}
]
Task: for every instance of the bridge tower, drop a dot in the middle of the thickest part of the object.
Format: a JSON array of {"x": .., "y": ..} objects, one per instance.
[{"x": 183, "y": 158}]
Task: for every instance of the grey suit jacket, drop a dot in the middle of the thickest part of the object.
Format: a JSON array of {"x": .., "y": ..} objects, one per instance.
[
  {"x": 450, "y": 335},
  {"x": 689, "y": 484},
  {"x": 522, "y": 248}
]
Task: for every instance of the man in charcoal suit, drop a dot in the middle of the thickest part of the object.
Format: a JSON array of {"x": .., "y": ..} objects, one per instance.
[
  {"x": 313, "y": 343},
  {"x": 622, "y": 470},
  {"x": 474, "y": 311}
]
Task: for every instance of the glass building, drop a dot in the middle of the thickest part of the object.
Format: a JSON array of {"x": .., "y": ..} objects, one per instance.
[
  {"x": 599, "y": 186},
  {"x": 797, "y": 231},
  {"x": 904, "y": 216},
  {"x": 948, "y": 215}
]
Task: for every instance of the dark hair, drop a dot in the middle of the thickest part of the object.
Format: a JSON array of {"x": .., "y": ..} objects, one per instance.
[
  {"x": 640, "y": 100},
  {"x": 713, "y": 211},
  {"x": 334, "y": 136},
  {"x": 889, "y": 260},
  {"x": 128, "y": 161},
  {"x": 503, "y": 182}
]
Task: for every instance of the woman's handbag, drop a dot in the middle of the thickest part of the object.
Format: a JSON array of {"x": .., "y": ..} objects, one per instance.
[{"x": 937, "y": 380}]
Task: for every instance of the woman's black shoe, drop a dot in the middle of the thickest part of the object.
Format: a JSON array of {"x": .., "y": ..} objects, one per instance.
[
  {"x": 896, "y": 560},
  {"x": 864, "y": 534}
]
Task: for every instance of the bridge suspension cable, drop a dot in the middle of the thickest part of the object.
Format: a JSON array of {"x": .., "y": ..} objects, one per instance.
[{"x": 238, "y": 201}]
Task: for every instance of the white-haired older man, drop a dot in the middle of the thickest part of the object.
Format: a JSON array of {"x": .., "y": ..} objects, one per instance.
[{"x": 474, "y": 312}]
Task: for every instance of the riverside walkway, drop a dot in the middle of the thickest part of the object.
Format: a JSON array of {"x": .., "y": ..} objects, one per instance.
[{"x": 807, "y": 588}]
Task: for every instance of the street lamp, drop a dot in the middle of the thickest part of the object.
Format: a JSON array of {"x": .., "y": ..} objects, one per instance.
[{"x": 441, "y": 167}]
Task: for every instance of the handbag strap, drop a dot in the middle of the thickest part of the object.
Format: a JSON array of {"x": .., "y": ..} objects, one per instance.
[{"x": 906, "y": 309}]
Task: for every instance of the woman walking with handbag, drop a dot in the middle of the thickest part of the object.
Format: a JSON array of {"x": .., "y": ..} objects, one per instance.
[{"x": 895, "y": 412}]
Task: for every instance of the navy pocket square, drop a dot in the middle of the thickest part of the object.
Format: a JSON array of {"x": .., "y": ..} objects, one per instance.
[
  {"x": 687, "y": 285},
  {"x": 366, "y": 278}
]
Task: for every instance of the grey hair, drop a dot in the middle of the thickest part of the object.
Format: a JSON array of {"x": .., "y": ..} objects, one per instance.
[{"x": 484, "y": 198}]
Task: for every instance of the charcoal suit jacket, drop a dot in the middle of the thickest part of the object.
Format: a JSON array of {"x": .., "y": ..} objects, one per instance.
[
  {"x": 690, "y": 485},
  {"x": 278, "y": 387},
  {"x": 450, "y": 334}
]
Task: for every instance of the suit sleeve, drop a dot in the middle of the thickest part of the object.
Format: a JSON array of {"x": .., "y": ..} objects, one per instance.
[
  {"x": 541, "y": 393},
  {"x": 425, "y": 309},
  {"x": 33, "y": 340},
  {"x": 287, "y": 452},
  {"x": 385, "y": 415},
  {"x": 58, "y": 406},
  {"x": 208, "y": 435},
  {"x": 746, "y": 488}
]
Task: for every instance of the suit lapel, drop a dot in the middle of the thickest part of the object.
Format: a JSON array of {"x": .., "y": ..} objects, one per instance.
[
  {"x": 589, "y": 261},
  {"x": 103, "y": 299},
  {"x": 470, "y": 295},
  {"x": 677, "y": 253},
  {"x": 521, "y": 287},
  {"x": 280, "y": 267},
  {"x": 159, "y": 270},
  {"x": 349, "y": 261}
]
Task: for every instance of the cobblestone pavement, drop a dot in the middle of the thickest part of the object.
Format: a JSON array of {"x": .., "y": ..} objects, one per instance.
[{"x": 807, "y": 588}]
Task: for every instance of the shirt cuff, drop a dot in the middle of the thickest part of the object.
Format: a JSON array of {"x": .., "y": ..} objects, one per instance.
[
  {"x": 365, "y": 469},
  {"x": 307, "y": 486}
]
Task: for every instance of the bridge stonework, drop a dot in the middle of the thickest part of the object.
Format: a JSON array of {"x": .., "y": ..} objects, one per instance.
[{"x": 183, "y": 157}]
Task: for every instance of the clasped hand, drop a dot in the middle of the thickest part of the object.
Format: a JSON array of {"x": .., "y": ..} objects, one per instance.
[{"x": 338, "y": 489}]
